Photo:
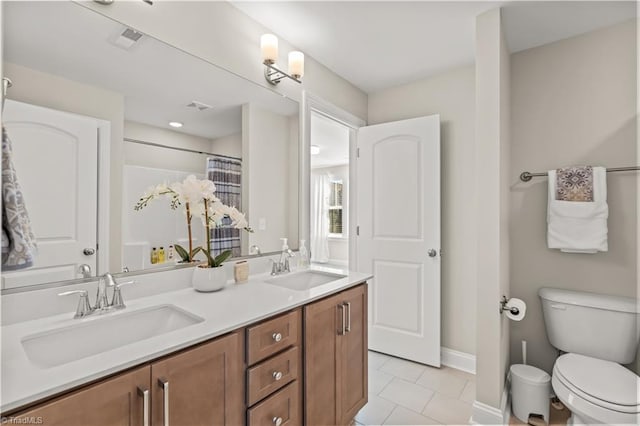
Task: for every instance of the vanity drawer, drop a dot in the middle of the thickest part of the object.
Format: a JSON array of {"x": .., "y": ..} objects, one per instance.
[
  {"x": 282, "y": 408},
  {"x": 272, "y": 374},
  {"x": 272, "y": 336}
]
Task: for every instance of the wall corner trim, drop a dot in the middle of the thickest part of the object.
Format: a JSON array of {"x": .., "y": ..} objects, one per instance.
[{"x": 458, "y": 360}]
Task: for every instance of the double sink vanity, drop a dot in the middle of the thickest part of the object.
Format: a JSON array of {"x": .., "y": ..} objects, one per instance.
[{"x": 283, "y": 350}]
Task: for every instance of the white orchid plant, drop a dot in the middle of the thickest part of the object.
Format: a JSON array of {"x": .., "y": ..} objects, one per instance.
[{"x": 198, "y": 197}]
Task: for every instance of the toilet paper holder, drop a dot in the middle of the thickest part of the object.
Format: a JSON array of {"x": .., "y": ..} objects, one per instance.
[{"x": 504, "y": 307}]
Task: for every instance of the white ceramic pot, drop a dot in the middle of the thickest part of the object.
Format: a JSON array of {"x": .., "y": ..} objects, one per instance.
[{"x": 209, "y": 279}]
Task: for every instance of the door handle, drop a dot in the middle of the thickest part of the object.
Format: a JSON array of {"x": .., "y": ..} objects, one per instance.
[
  {"x": 89, "y": 251},
  {"x": 343, "y": 316},
  {"x": 432, "y": 253},
  {"x": 144, "y": 393},
  {"x": 164, "y": 384},
  {"x": 348, "y": 326}
]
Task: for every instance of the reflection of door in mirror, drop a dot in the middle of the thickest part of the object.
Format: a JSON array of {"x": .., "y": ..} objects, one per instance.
[
  {"x": 329, "y": 243},
  {"x": 56, "y": 160}
]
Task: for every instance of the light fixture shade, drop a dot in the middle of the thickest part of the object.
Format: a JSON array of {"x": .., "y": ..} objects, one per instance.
[
  {"x": 269, "y": 47},
  {"x": 296, "y": 64}
]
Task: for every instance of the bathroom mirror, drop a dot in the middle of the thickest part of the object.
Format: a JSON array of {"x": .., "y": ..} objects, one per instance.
[{"x": 79, "y": 67}]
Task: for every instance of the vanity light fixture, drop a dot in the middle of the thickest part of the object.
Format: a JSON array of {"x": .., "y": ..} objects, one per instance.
[
  {"x": 175, "y": 124},
  {"x": 315, "y": 150},
  {"x": 269, "y": 48}
]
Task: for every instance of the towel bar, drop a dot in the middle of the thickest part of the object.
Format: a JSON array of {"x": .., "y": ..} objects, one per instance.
[{"x": 527, "y": 176}]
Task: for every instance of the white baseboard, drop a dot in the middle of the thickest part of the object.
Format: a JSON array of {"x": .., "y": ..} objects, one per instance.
[
  {"x": 483, "y": 414},
  {"x": 458, "y": 360}
]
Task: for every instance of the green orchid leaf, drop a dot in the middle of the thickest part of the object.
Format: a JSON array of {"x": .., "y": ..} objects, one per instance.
[
  {"x": 182, "y": 252},
  {"x": 222, "y": 257}
]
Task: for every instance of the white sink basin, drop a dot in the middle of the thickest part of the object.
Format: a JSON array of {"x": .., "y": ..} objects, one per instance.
[
  {"x": 304, "y": 280},
  {"x": 102, "y": 333}
]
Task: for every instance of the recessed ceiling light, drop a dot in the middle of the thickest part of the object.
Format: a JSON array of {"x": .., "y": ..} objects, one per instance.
[
  {"x": 315, "y": 150},
  {"x": 175, "y": 124}
]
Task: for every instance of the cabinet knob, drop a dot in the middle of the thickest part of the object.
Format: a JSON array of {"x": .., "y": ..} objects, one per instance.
[
  {"x": 277, "y": 337},
  {"x": 432, "y": 252},
  {"x": 277, "y": 375},
  {"x": 277, "y": 421}
]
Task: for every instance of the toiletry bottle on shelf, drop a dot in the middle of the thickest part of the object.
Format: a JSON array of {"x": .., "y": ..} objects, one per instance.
[
  {"x": 170, "y": 254},
  {"x": 303, "y": 256},
  {"x": 154, "y": 256},
  {"x": 161, "y": 255}
]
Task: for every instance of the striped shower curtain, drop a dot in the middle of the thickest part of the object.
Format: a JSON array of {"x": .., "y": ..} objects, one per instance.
[{"x": 226, "y": 175}]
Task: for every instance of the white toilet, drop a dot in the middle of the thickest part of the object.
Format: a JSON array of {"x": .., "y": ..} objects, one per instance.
[{"x": 598, "y": 332}]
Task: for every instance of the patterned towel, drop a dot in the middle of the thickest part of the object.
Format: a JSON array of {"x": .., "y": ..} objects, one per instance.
[
  {"x": 574, "y": 184},
  {"x": 18, "y": 241}
]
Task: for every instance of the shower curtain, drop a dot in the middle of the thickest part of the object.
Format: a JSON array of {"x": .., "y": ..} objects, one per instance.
[
  {"x": 319, "y": 244},
  {"x": 226, "y": 174}
]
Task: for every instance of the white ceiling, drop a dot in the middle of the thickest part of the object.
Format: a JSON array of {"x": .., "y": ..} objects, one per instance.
[
  {"x": 157, "y": 80},
  {"x": 380, "y": 44},
  {"x": 333, "y": 140}
]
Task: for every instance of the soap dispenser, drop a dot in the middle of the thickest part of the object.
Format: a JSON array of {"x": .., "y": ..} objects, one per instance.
[
  {"x": 303, "y": 260},
  {"x": 284, "y": 256}
]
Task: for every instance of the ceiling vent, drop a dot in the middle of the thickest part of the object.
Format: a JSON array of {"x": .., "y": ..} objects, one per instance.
[
  {"x": 199, "y": 106},
  {"x": 127, "y": 38}
]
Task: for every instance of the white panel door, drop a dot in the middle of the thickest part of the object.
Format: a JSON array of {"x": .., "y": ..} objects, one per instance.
[
  {"x": 56, "y": 159},
  {"x": 399, "y": 235}
]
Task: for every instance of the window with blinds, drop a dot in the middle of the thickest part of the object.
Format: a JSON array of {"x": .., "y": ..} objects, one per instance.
[{"x": 335, "y": 208}]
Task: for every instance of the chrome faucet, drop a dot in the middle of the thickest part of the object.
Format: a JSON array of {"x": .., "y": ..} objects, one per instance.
[
  {"x": 282, "y": 266},
  {"x": 102, "y": 301}
]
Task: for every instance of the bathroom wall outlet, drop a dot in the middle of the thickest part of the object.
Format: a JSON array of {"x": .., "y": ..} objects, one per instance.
[{"x": 262, "y": 224}]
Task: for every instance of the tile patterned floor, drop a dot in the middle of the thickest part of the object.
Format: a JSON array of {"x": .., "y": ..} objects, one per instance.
[{"x": 406, "y": 393}]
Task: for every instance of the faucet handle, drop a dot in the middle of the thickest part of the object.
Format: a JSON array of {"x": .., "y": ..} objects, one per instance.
[
  {"x": 117, "y": 302},
  {"x": 275, "y": 267},
  {"x": 84, "y": 307}
]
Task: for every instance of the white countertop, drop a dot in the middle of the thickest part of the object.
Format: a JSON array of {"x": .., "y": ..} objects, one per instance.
[{"x": 234, "y": 307}]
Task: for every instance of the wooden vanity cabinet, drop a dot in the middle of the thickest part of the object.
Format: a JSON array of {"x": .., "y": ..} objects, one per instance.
[
  {"x": 115, "y": 401},
  {"x": 273, "y": 371},
  {"x": 307, "y": 366},
  {"x": 335, "y": 330},
  {"x": 199, "y": 386}
]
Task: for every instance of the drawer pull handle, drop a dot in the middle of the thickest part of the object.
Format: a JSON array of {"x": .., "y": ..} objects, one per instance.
[
  {"x": 144, "y": 393},
  {"x": 277, "y": 421},
  {"x": 164, "y": 384},
  {"x": 348, "y": 326},
  {"x": 277, "y": 375},
  {"x": 276, "y": 337}
]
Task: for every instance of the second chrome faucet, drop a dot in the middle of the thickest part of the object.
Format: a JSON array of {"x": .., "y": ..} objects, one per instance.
[{"x": 102, "y": 301}]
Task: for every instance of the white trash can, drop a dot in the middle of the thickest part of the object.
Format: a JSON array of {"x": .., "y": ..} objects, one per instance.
[{"x": 530, "y": 392}]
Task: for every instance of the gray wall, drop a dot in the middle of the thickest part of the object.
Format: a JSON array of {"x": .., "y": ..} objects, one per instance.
[
  {"x": 452, "y": 95},
  {"x": 573, "y": 102}
]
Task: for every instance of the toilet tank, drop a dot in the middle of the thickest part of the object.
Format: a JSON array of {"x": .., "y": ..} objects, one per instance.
[{"x": 591, "y": 324}]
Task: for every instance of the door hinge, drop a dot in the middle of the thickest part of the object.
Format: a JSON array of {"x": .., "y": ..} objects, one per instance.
[
  {"x": 358, "y": 152},
  {"x": 358, "y": 230}
]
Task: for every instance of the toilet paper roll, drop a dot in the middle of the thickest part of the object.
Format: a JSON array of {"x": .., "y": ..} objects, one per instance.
[{"x": 516, "y": 303}]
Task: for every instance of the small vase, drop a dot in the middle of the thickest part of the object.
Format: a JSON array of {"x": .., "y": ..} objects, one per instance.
[{"x": 209, "y": 279}]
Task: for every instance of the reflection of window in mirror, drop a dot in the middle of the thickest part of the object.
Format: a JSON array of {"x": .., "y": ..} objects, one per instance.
[{"x": 335, "y": 209}]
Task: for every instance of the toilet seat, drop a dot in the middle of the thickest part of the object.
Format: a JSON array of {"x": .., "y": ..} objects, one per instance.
[
  {"x": 600, "y": 382},
  {"x": 596, "y": 389}
]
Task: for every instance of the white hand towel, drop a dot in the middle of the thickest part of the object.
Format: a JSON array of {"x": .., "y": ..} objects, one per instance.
[{"x": 576, "y": 226}]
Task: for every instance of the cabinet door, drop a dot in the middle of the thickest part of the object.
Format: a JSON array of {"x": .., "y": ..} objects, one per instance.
[
  {"x": 201, "y": 386},
  {"x": 115, "y": 401},
  {"x": 354, "y": 354},
  {"x": 323, "y": 321}
]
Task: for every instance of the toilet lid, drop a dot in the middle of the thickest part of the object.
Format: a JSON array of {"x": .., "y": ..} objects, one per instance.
[{"x": 603, "y": 380}]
